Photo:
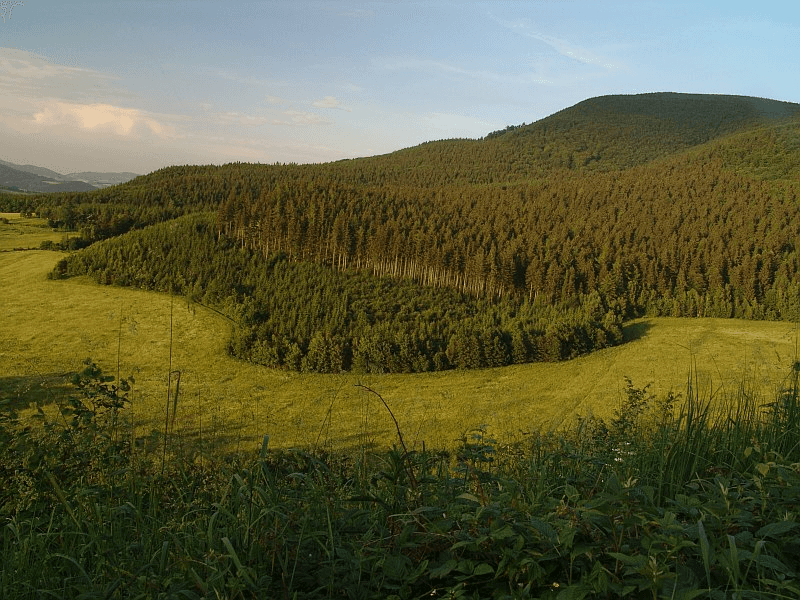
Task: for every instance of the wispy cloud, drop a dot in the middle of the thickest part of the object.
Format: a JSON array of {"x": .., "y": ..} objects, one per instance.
[
  {"x": 240, "y": 119},
  {"x": 483, "y": 75},
  {"x": 28, "y": 74},
  {"x": 7, "y": 7},
  {"x": 329, "y": 102},
  {"x": 565, "y": 48},
  {"x": 250, "y": 80},
  {"x": 297, "y": 117}
]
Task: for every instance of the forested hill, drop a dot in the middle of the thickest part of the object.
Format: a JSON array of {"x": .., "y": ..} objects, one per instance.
[
  {"x": 608, "y": 133},
  {"x": 617, "y": 207},
  {"x": 613, "y": 132},
  {"x": 605, "y": 133}
]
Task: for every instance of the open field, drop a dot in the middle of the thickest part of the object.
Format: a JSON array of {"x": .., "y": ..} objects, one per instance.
[
  {"x": 48, "y": 327},
  {"x": 22, "y": 233}
]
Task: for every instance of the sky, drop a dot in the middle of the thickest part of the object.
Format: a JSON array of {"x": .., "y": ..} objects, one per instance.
[{"x": 140, "y": 85}]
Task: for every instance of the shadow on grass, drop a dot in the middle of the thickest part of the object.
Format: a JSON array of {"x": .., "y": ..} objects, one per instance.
[
  {"x": 635, "y": 331},
  {"x": 20, "y": 392},
  {"x": 234, "y": 439},
  {"x": 231, "y": 439}
]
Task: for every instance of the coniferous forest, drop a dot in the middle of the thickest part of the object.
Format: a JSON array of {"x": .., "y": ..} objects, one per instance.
[{"x": 533, "y": 243}]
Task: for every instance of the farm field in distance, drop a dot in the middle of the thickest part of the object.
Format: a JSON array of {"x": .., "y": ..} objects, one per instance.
[
  {"x": 48, "y": 327},
  {"x": 26, "y": 233}
]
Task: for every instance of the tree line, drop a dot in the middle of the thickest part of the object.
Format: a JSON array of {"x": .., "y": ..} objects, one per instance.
[{"x": 307, "y": 316}]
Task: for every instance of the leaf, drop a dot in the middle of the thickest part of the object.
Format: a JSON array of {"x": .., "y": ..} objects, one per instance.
[
  {"x": 571, "y": 492},
  {"x": 773, "y": 563},
  {"x": 689, "y": 594},
  {"x": 503, "y": 533},
  {"x": 545, "y": 529},
  {"x": 733, "y": 553},
  {"x": 443, "y": 570},
  {"x": 396, "y": 566},
  {"x": 470, "y": 497},
  {"x": 704, "y": 550},
  {"x": 777, "y": 528},
  {"x": 465, "y": 566},
  {"x": 632, "y": 561},
  {"x": 240, "y": 568},
  {"x": 566, "y": 536},
  {"x": 577, "y": 591},
  {"x": 483, "y": 569}
]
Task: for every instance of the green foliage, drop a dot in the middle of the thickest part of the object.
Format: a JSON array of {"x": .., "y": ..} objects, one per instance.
[
  {"x": 552, "y": 518},
  {"x": 16, "y": 203},
  {"x": 312, "y": 317},
  {"x": 555, "y": 517},
  {"x": 83, "y": 442}
]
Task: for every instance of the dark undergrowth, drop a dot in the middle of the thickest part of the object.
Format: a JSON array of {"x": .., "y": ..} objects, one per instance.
[{"x": 676, "y": 497}]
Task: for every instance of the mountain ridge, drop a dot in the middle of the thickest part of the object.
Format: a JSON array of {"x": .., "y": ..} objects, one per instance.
[
  {"x": 93, "y": 178},
  {"x": 33, "y": 182}
]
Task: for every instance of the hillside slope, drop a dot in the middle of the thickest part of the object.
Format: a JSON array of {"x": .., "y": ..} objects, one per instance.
[
  {"x": 688, "y": 207},
  {"x": 23, "y": 180},
  {"x": 617, "y": 132}
]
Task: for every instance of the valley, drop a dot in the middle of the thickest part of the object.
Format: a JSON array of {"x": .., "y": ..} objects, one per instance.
[{"x": 48, "y": 327}]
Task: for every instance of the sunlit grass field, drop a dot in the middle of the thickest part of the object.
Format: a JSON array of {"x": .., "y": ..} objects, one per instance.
[
  {"x": 47, "y": 328},
  {"x": 22, "y": 233}
]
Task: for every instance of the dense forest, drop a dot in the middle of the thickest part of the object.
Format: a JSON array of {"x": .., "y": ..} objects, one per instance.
[
  {"x": 308, "y": 316},
  {"x": 533, "y": 243}
]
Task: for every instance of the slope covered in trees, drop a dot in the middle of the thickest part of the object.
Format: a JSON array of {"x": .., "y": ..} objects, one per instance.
[
  {"x": 307, "y": 316},
  {"x": 659, "y": 204}
]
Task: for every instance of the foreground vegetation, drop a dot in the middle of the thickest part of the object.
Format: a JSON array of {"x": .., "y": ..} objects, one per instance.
[{"x": 670, "y": 498}]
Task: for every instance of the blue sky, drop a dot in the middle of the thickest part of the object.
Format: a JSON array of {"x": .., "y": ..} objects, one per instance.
[{"x": 138, "y": 85}]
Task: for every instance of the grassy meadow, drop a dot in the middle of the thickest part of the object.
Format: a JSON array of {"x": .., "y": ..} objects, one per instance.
[
  {"x": 47, "y": 328},
  {"x": 26, "y": 233}
]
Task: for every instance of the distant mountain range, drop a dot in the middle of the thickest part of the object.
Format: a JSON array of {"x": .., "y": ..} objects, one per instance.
[{"x": 32, "y": 178}]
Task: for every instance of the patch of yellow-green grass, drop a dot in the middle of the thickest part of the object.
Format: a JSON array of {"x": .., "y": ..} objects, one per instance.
[
  {"x": 26, "y": 233},
  {"x": 48, "y": 327}
]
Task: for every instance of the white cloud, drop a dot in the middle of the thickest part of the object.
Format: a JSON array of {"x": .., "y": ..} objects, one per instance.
[
  {"x": 297, "y": 117},
  {"x": 329, "y": 102},
  {"x": 101, "y": 117}
]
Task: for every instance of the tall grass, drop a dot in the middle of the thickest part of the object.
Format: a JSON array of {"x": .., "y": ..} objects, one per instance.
[{"x": 673, "y": 497}]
